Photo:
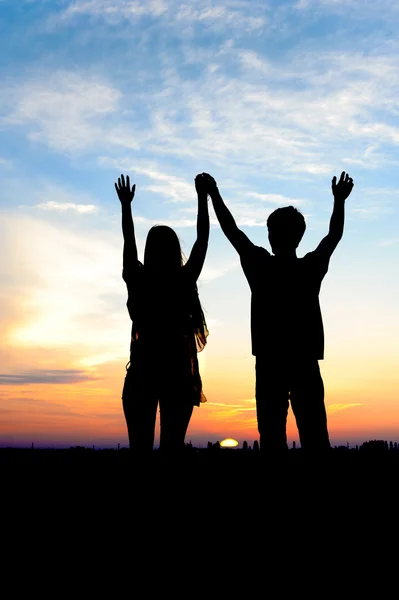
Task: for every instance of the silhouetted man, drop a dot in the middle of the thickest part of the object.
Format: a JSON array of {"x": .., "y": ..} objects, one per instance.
[{"x": 286, "y": 323}]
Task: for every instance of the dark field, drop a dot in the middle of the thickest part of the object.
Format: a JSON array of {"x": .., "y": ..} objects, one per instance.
[
  {"x": 94, "y": 503},
  {"x": 373, "y": 467}
]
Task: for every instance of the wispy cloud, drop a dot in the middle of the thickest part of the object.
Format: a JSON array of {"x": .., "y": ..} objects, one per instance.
[
  {"x": 278, "y": 199},
  {"x": 174, "y": 13},
  {"x": 333, "y": 408},
  {"x": 175, "y": 223},
  {"x": 251, "y": 116},
  {"x": 62, "y": 207},
  {"x": 210, "y": 273},
  {"x": 360, "y": 9},
  {"x": 99, "y": 359},
  {"x": 175, "y": 189},
  {"x": 389, "y": 242},
  {"x": 374, "y": 203},
  {"x": 50, "y": 376},
  {"x": 51, "y": 197},
  {"x": 65, "y": 110},
  {"x": 6, "y": 163}
]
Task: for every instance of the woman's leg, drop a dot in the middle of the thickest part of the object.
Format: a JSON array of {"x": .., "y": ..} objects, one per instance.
[
  {"x": 175, "y": 416},
  {"x": 140, "y": 409}
]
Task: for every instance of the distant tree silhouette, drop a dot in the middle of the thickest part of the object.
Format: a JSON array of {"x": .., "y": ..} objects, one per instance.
[
  {"x": 256, "y": 445},
  {"x": 374, "y": 447},
  {"x": 245, "y": 445}
]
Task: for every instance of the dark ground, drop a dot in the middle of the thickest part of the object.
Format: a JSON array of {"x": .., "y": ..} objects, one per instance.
[
  {"x": 225, "y": 512},
  {"x": 372, "y": 468}
]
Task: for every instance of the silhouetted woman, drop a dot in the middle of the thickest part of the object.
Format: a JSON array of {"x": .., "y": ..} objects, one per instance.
[{"x": 168, "y": 328}]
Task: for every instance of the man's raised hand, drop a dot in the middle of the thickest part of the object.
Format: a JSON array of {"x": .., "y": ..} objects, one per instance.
[
  {"x": 125, "y": 194},
  {"x": 210, "y": 183},
  {"x": 343, "y": 188}
]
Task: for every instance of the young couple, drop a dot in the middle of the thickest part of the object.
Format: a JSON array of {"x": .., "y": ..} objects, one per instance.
[{"x": 169, "y": 328}]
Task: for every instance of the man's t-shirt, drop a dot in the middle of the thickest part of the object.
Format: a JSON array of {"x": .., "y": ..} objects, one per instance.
[{"x": 286, "y": 319}]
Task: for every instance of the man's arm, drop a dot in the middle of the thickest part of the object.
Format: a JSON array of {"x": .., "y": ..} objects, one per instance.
[
  {"x": 341, "y": 191},
  {"x": 197, "y": 256},
  {"x": 229, "y": 227},
  {"x": 126, "y": 195}
]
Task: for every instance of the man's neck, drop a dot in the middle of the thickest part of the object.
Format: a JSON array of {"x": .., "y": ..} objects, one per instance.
[{"x": 289, "y": 254}]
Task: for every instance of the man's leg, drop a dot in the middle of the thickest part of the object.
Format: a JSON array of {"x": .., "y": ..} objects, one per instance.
[
  {"x": 307, "y": 401},
  {"x": 271, "y": 405}
]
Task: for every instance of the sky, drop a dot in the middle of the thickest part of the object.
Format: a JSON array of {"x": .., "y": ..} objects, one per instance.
[{"x": 272, "y": 98}]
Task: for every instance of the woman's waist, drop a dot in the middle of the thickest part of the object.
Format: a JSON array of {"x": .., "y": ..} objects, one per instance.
[{"x": 161, "y": 343}]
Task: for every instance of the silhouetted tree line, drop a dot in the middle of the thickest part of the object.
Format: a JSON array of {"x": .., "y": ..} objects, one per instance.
[{"x": 81, "y": 455}]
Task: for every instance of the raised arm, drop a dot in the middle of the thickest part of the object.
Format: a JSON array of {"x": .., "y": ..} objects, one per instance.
[
  {"x": 197, "y": 255},
  {"x": 341, "y": 191},
  {"x": 229, "y": 227},
  {"x": 126, "y": 195}
]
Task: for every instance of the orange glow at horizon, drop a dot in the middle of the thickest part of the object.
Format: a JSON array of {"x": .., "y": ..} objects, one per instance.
[
  {"x": 361, "y": 403},
  {"x": 92, "y": 410}
]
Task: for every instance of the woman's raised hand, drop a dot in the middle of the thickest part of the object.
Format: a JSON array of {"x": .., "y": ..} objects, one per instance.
[
  {"x": 125, "y": 194},
  {"x": 200, "y": 185}
]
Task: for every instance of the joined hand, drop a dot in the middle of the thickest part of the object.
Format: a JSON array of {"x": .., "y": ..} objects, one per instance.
[{"x": 205, "y": 184}]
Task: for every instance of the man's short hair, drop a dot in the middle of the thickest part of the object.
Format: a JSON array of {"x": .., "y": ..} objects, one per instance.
[{"x": 287, "y": 219}]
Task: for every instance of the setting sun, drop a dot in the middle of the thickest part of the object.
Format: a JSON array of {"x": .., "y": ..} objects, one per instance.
[{"x": 229, "y": 443}]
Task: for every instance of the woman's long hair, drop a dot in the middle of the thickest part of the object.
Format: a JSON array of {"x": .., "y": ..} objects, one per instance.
[
  {"x": 162, "y": 255},
  {"x": 162, "y": 259},
  {"x": 162, "y": 249}
]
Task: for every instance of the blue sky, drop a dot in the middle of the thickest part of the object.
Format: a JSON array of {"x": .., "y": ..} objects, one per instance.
[{"x": 272, "y": 98}]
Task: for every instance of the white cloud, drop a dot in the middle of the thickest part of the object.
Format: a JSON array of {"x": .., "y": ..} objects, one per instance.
[
  {"x": 278, "y": 199},
  {"x": 6, "y": 163},
  {"x": 249, "y": 113},
  {"x": 65, "y": 110},
  {"x": 214, "y": 14},
  {"x": 115, "y": 10},
  {"x": 175, "y": 189},
  {"x": 55, "y": 198},
  {"x": 212, "y": 272},
  {"x": 62, "y": 207},
  {"x": 175, "y": 223},
  {"x": 262, "y": 120}
]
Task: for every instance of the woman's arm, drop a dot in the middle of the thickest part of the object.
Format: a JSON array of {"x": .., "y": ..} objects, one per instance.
[
  {"x": 126, "y": 195},
  {"x": 197, "y": 256}
]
